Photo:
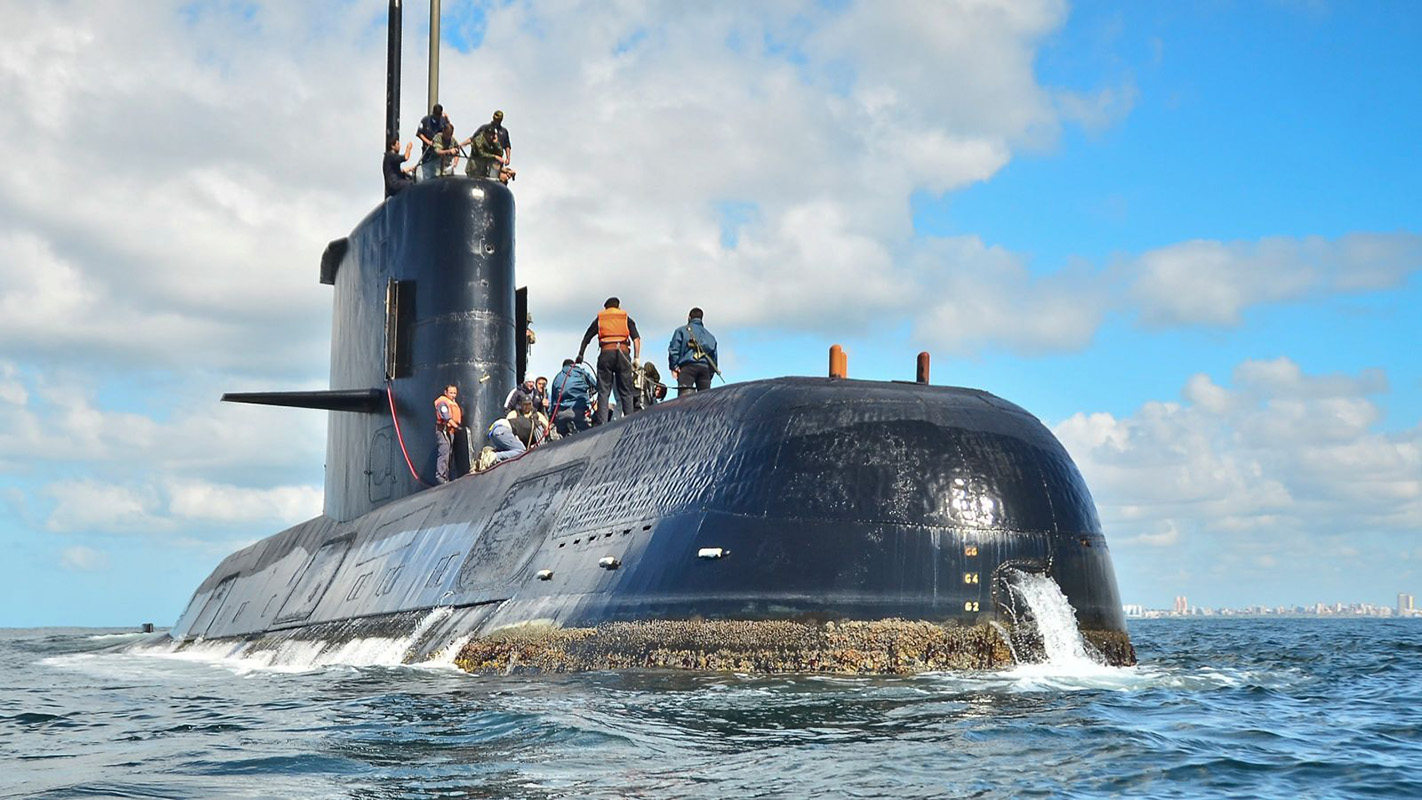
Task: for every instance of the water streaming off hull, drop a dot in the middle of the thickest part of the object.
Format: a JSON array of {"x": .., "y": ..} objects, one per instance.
[{"x": 1045, "y": 629}]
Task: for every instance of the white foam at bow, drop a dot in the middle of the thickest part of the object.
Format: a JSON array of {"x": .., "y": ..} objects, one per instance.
[{"x": 301, "y": 655}]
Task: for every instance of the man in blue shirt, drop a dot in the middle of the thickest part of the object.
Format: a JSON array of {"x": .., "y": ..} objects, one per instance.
[
  {"x": 569, "y": 390},
  {"x": 692, "y": 355}
]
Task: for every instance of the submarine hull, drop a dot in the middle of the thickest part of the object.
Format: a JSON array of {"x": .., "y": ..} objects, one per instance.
[
  {"x": 805, "y": 501},
  {"x": 788, "y": 524}
]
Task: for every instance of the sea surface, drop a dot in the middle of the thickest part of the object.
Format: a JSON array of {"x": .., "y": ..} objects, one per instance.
[{"x": 1263, "y": 707}]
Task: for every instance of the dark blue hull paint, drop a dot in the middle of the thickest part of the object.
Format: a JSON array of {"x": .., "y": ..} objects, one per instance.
[{"x": 832, "y": 499}]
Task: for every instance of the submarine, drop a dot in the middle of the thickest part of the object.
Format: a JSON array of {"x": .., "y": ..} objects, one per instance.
[{"x": 795, "y": 524}]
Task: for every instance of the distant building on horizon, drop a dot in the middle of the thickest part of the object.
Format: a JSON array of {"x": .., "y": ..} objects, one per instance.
[
  {"x": 1405, "y": 605},
  {"x": 1182, "y": 606}
]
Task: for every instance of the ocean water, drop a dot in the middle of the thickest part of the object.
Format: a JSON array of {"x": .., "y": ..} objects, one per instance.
[{"x": 1216, "y": 708}]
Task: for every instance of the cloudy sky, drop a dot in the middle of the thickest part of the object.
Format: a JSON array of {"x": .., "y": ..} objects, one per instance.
[{"x": 1185, "y": 235}]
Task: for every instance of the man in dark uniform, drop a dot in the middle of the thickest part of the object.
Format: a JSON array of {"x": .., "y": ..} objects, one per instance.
[
  {"x": 430, "y": 127},
  {"x": 397, "y": 177},
  {"x": 692, "y": 355},
  {"x": 614, "y": 331}
]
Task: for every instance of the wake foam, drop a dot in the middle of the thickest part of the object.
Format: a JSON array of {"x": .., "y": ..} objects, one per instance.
[{"x": 305, "y": 655}]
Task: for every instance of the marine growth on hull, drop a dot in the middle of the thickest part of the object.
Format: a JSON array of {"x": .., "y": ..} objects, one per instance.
[{"x": 888, "y": 647}]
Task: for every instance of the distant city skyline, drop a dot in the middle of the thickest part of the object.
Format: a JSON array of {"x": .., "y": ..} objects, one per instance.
[{"x": 1405, "y": 607}]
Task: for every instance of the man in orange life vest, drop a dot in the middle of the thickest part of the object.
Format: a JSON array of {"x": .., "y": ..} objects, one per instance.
[
  {"x": 448, "y": 418},
  {"x": 614, "y": 330}
]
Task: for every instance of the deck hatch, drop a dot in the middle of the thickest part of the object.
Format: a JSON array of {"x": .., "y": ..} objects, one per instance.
[{"x": 315, "y": 580}]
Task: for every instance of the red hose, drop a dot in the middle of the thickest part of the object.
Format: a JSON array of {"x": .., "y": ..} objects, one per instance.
[{"x": 390, "y": 394}]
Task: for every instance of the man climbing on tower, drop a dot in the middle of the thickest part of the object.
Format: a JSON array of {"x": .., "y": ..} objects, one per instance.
[{"x": 615, "y": 331}]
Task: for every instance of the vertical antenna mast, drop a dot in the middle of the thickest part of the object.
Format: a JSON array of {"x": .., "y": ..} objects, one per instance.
[
  {"x": 392, "y": 76},
  {"x": 434, "y": 55}
]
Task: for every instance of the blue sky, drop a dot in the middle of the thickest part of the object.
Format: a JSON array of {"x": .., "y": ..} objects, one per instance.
[{"x": 1186, "y": 236}]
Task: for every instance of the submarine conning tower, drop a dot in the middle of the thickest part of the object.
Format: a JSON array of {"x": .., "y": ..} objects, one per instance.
[{"x": 424, "y": 297}]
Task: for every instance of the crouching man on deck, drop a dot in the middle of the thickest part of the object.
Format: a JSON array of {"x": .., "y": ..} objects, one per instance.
[
  {"x": 529, "y": 425},
  {"x": 503, "y": 445}
]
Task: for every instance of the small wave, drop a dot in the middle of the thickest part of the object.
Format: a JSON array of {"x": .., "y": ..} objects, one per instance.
[
  {"x": 304, "y": 655},
  {"x": 443, "y": 660},
  {"x": 111, "y": 638},
  {"x": 1088, "y": 677}
]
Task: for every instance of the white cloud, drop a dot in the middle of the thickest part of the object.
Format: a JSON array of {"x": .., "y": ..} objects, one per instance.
[
  {"x": 12, "y": 390},
  {"x": 1213, "y": 283},
  {"x": 232, "y": 143},
  {"x": 220, "y": 503},
  {"x": 129, "y": 473},
  {"x": 1162, "y": 533},
  {"x": 88, "y": 505},
  {"x": 1283, "y": 456},
  {"x": 83, "y": 559},
  {"x": 971, "y": 297},
  {"x": 161, "y": 505},
  {"x": 64, "y": 423}
]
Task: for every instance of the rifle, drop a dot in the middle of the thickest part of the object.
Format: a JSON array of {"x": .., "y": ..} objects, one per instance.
[{"x": 696, "y": 351}]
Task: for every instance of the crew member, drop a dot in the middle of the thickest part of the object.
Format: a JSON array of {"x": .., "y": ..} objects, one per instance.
[
  {"x": 446, "y": 147},
  {"x": 692, "y": 355},
  {"x": 486, "y": 155},
  {"x": 647, "y": 386},
  {"x": 430, "y": 127},
  {"x": 502, "y": 442},
  {"x": 497, "y": 124},
  {"x": 528, "y": 424},
  {"x": 517, "y": 394},
  {"x": 570, "y": 391},
  {"x": 397, "y": 176},
  {"x": 614, "y": 331},
  {"x": 540, "y": 394},
  {"x": 448, "y": 418}
]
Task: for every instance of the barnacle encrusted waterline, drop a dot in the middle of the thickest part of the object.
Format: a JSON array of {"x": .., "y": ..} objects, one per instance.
[{"x": 889, "y": 647}]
